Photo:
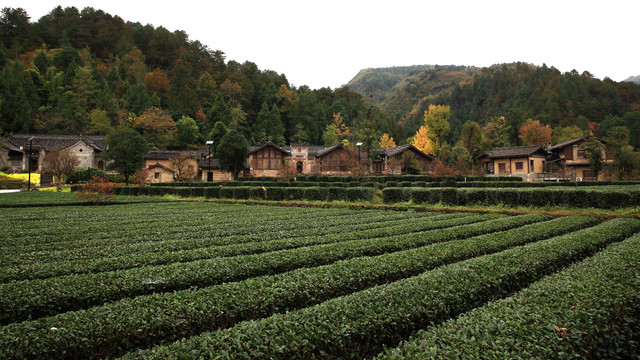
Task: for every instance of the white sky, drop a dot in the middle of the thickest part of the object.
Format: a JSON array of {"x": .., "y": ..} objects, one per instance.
[{"x": 326, "y": 42}]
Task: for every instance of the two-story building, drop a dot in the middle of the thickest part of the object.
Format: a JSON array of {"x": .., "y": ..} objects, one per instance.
[{"x": 570, "y": 156}]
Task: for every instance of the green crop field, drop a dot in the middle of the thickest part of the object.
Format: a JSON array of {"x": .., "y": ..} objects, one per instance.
[{"x": 193, "y": 280}]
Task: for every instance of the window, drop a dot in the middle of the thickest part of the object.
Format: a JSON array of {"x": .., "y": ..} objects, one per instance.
[
  {"x": 581, "y": 154},
  {"x": 519, "y": 165},
  {"x": 531, "y": 166},
  {"x": 156, "y": 176}
]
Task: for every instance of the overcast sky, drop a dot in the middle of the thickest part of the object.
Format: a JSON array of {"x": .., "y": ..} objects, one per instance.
[{"x": 325, "y": 43}]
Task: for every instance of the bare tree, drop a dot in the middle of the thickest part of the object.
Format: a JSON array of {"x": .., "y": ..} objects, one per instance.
[
  {"x": 60, "y": 164},
  {"x": 183, "y": 165}
]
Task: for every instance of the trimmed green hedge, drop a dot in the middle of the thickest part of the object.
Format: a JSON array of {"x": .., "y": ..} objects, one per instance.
[
  {"x": 361, "y": 324},
  {"x": 310, "y": 193},
  {"x": 597, "y": 198},
  {"x": 590, "y": 310}
]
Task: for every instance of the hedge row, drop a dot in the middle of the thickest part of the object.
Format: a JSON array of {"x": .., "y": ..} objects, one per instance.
[
  {"x": 64, "y": 264},
  {"x": 351, "y": 194},
  {"x": 114, "y": 328},
  {"x": 591, "y": 310},
  {"x": 45, "y": 297},
  {"x": 360, "y": 324},
  {"x": 12, "y": 184},
  {"x": 265, "y": 183},
  {"x": 385, "y": 178},
  {"x": 507, "y": 184},
  {"x": 514, "y": 197}
]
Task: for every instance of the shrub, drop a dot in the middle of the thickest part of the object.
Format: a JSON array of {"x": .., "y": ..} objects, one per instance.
[
  {"x": 392, "y": 195},
  {"x": 97, "y": 190},
  {"x": 315, "y": 193}
]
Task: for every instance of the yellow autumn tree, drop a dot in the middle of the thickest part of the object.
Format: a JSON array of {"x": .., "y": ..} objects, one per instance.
[
  {"x": 386, "y": 142},
  {"x": 436, "y": 119},
  {"x": 422, "y": 141}
]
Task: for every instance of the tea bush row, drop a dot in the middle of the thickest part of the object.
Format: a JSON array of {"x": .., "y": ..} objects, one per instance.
[
  {"x": 360, "y": 324},
  {"x": 219, "y": 228},
  {"x": 590, "y": 310},
  {"x": 45, "y": 297},
  {"x": 117, "y": 327},
  {"x": 64, "y": 264}
]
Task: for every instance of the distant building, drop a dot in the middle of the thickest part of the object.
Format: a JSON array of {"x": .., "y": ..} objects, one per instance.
[
  {"x": 522, "y": 161},
  {"x": 169, "y": 165},
  {"x": 14, "y": 151},
  {"x": 571, "y": 158},
  {"x": 390, "y": 161}
]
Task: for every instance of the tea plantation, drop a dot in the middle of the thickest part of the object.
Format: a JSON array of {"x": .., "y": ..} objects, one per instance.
[{"x": 189, "y": 280}]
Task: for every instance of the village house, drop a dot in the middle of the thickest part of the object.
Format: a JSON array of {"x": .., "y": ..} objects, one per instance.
[
  {"x": 169, "y": 165},
  {"x": 390, "y": 161},
  {"x": 270, "y": 159},
  {"x": 210, "y": 170},
  {"x": 523, "y": 161},
  {"x": 14, "y": 152},
  {"x": 267, "y": 160},
  {"x": 569, "y": 156}
]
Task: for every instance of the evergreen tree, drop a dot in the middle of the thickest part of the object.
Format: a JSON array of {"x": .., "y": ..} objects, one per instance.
[
  {"x": 219, "y": 111},
  {"x": 16, "y": 112},
  {"x": 187, "y": 134},
  {"x": 218, "y": 132},
  {"x": 126, "y": 149},
  {"x": 268, "y": 126},
  {"x": 42, "y": 62},
  {"x": 232, "y": 152}
]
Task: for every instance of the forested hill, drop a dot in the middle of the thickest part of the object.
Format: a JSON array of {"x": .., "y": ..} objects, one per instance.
[
  {"x": 86, "y": 72},
  {"x": 516, "y": 91},
  {"x": 634, "y": 79},
  {"x": 375, "y": 84}
]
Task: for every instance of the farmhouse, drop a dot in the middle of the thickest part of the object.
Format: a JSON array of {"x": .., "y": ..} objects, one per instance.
[
  {"x": 524, "y": 161},
  {"x": 391, "y": 161},
  {"x": 15, "y": 150},
  {"x": 167, "y": 165},
  {"x": 571, "y": 158},
  {"x": 267, "y": 160}
]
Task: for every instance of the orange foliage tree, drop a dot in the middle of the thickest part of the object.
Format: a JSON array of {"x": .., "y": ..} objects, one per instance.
[
  {"x": 534, "y": 133},
  {"x": 157, "y": 126}
]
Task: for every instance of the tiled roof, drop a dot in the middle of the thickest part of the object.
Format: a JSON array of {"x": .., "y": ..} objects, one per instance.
[
  {"x": 55, "y": 142},
  {"x": 329, "y": 149},
  {"x": 510, "y": 152},
  {"x": 269, "y": 143},
  {"x": 168, "y": 154},
  {"x": 569, "y": 142},
  {"x": 399, "y": 150},
  {"x": 157, "y": 165}
]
